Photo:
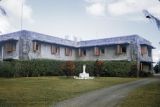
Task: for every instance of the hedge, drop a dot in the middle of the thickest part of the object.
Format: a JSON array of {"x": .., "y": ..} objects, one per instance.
[{"x": 34, "y": 68}]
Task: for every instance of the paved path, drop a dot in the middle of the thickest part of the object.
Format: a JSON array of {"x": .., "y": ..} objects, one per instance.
[{"x": 106, "y": 97}]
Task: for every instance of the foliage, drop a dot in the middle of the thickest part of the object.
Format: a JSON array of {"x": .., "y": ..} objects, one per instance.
[
  {"x": 133, "y": 71},
  {"x": 98, "y": 68},
  {"x": 35, "y": 68},
  {"x": 157, "y": 67},
  {"x": 69, "y": 68},
  {"x": 119, "y": 68},
  {"x": 145, "y": 74}
]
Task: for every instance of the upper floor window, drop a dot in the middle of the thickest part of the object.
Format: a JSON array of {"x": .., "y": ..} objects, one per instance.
[
  {"x": 102, "y": 51},
  {"x": 96, "y": 51},
  {"x": 68, "y": 52},
  {"x": 144, "y": 50},
  {"x": 82, "y": 52},
  {"x": 36, "y": 46},
  {"x": 124, "y": 49},
  {"x": 121, "y": 49},
  {"x": 149, "y": 52},
  {"x": 10, "y": 46},
  {"x": 55, "y": 49}
]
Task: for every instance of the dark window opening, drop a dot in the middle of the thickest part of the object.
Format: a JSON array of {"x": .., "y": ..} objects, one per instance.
[
  {"x": 149, "y": 52},
  {"x": 37, "y": 46},
  {"x": 102, "y": 51},
  {"x": 84, "y": 52},
  {"x": 124, "y": 49}
]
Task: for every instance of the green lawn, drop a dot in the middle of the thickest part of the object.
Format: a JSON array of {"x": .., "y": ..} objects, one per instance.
[
  {"x": 43, "y": 91},
  {"x": 146, "y": 96}
]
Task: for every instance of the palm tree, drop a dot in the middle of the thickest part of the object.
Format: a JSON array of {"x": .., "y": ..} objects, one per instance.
[{"x": 2, "y": 10}]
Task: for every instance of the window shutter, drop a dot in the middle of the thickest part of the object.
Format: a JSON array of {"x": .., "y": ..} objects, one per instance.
[
  {"x": 53, "y": 49},
  {"x": 119, "y": 49},
  {"x": 34, "y": 46},
  {"x": 39, "y": 47},
  {"x": 66, "y": 52},
  {"x": 79, "y": 52},
  {"x": 14, "y": 47},
  {"x": 58, "y": 50},
  {"x": 144, "y": 50},
  {"x": 9, "y": 47},
  {"x": 96, "y": 51},
  {"x": 70, "y": 52}
]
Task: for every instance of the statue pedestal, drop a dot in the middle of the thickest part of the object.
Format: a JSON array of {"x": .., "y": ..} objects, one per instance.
[{"x": 83, "y": 75}]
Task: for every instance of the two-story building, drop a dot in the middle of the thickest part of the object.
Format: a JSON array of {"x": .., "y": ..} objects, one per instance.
[{"x": 26, "y": 45}]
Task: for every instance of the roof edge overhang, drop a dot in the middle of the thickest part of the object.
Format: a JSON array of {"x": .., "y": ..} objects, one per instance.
[{"x": 149, "y": 46}]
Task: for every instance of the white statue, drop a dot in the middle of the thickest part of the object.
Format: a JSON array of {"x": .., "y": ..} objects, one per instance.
[{"x": 84, "y": 75}]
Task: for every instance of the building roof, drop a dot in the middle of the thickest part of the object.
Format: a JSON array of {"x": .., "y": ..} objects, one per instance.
[
  {"x": 9, "y": 36},
  {"x": 88, "y": 43}
]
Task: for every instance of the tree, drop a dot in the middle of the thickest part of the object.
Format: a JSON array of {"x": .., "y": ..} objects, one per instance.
[
  {"x": 157, "y": 67},
  {"x": 2, "y": 10}
]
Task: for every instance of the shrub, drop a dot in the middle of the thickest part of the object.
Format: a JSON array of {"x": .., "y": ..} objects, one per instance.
[
  {"x": 133, "y": 71},
  {"x": 69, "y": 68},
  {"x": 32, "y": 68},
  {"x": 98, "y": 68},
  {"x": 118, "y": 68},
  {"x": 157, "y": 67},
  {"x": 145, "y": 74}
]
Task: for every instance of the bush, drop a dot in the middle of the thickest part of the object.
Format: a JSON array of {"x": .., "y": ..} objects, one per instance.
[
  {"x": 157, "y": 67},
  {"x": 99, "y": 68},
  {"x": 69, "y": 68},
  {"x": 118, "y": 68},
  {"x": 34, "y": 68},
  {"x": 145, "y": 74},
  {"x": 133, "y": 71}
]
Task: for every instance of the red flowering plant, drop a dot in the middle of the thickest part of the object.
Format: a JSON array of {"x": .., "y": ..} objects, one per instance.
[
  {"x": 98, "y": 68},
  {"x": 68, "y": 68}
]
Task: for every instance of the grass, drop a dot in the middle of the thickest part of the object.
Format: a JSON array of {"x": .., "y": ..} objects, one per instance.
[
  {"x": 44, "y": 91},
  {"x": 146, "y": 96}
]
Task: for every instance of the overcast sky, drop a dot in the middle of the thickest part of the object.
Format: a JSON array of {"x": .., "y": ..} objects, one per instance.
[{"x": 84, "y": 19}]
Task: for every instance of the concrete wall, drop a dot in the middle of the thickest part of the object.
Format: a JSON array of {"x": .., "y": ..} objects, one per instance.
[
  {"x": 24, "y": 50},
  {"x": 45, "y": 53},
  {"x": 110, "y": 54}
]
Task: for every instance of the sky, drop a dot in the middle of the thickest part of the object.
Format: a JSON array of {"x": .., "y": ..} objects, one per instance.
[{"x": 83, "y": 19}]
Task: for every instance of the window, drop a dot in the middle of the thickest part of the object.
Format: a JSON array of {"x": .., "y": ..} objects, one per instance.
[
  {"x": 10, "y": 46},
  {"x": 96, "y": 51},
  {"x": 118, "y": 51},
  {"x": 149, "y": 52},
  {"x": 121, "y": 49},
  {"x": 81, "y": 52},
  {"x": 124, "y": 49},
  {"x": 144, "y": 50},
  {"x": 54, "y": 49},
  {"x": 102, "y": 50},
  {"x": 36, "y": 46},
  {"x": 68, "y": 52}
]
